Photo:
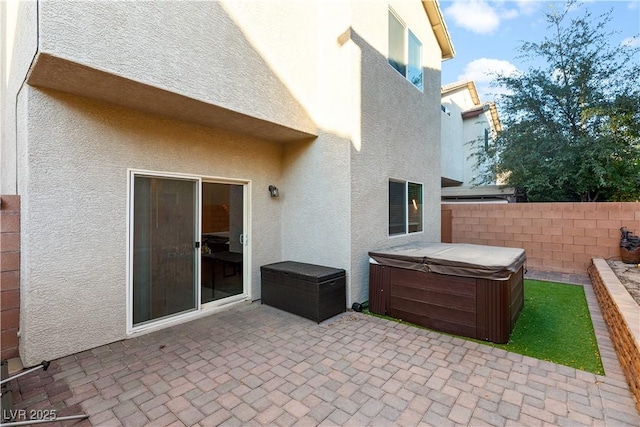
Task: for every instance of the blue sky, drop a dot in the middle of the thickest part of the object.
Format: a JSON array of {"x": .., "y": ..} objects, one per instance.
[{"x": 486, "y": 33}]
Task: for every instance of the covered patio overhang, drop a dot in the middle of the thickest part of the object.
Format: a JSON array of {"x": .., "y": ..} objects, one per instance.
[{"x": 53, "y": 72}]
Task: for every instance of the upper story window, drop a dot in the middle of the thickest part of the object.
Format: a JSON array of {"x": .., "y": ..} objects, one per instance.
[
  {"x": 405, "y": 51},
  {"x": 405, "y": 207}
]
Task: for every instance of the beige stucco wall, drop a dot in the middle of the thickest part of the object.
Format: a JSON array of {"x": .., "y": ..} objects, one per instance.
[
  {"x": 316, "y": 174},
  {"x": 316, "y": 68},
  {"x": 74, "y": 194},
  {"x": 370, "y": 136},
  {"x": 367, "y": 136},
  {"x": 191, "y": 48},
  {"x": 400, "y": 136}
]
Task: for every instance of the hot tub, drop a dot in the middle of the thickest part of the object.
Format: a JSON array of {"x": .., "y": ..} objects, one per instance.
[{"x": 469, "y": 290}]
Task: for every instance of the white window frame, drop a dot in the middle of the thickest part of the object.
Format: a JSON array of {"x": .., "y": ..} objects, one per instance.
[
  {"x": 173, "y": 319},
  {"x": 411, "y": 34},
  {"x": 406, "y": 207},
  {"x": 407, "y": 33}
]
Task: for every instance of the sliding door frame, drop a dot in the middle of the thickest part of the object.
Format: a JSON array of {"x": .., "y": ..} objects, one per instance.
[
  {"x": 246, "y": 228},
  {"x": 200, "y": 309}
]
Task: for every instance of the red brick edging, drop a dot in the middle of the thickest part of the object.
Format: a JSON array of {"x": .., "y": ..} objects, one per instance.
[{"x": 622, "y": 316}]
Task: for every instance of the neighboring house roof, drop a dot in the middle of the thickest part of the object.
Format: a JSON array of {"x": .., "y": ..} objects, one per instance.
[
  {"x": 452, "y": 87},
  {"x": 434, "y": 13},
  {"x": 475, "y": 111},
  {"x": 478, "y": 108},
  {"x": 487, "y": 106},
  {"x": 484, "y": 193},
  {"x": 448, "y": 182},
  {"x": 494, "y": 116}
]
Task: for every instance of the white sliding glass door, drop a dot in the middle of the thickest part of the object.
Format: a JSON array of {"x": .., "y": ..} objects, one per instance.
[
  {"x": 223, "y": 241},
  {"x": 188, "y": 246},
  {"x": 164, "y": 239}
]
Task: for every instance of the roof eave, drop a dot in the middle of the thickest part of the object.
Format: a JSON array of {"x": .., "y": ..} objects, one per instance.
[
  {"x": 494, "y": 117},
  {"x": 464, "y": 84},
  {"x": 434, "y": 13}
]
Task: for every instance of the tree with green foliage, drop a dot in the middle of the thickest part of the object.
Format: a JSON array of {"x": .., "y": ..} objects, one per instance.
[{"x": 571, "y": 127}]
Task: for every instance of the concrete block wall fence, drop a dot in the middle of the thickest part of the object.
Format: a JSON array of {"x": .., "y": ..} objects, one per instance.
[
  {"x": 10, "y": 275},
  {"x": 560, "y": 237}
]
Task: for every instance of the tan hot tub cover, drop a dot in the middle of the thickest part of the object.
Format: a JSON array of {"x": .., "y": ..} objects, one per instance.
[{"x": 455, "y": 259}]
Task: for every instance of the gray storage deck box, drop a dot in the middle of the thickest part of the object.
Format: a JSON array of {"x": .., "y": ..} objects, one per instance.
[{"x": 312, "y": 291}]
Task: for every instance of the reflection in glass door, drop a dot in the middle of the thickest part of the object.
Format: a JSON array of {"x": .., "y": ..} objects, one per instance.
[
  {"x": 165, "y": 227},
  {"x": 223, "y": 240}
]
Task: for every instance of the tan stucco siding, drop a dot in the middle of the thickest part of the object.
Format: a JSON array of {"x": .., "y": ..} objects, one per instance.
[
  {"x": 317, "y": 174},
  {"x": 192, "y": 48},
  {"x": 317, "y": 68},
  {"x": 315, "y": 202},
  {"x": 74, "y": 189},
  {"x": 400, "y": 139}
]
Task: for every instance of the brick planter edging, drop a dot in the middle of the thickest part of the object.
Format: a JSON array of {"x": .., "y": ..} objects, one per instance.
[{"x": 622, "y": 316}]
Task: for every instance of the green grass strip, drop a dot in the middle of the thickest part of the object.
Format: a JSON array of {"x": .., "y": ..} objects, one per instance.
[{"x": 555, "y": 325}]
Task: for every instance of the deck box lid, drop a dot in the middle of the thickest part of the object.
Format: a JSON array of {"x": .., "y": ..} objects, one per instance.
[
  {"x": 456, "y": 259},
  {"x": 301, "y": 270}
]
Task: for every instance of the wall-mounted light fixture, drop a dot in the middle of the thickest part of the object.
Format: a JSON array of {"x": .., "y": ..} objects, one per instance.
[{"x": 273, "y": 190}]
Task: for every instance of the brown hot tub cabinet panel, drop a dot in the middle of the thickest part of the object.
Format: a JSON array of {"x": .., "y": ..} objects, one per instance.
[{"x": 475, "y": 307}]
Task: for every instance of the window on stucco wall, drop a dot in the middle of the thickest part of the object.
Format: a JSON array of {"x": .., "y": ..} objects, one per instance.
[
  {"x": 405, "y": 207},
  {"x": 486, "y": 139},
  {"x": 405, "y": 51}
]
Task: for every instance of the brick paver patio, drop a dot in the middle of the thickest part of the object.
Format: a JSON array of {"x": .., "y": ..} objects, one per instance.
[{"x": 256, "y": 365}]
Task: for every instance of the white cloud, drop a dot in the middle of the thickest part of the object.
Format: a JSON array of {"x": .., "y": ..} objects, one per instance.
[
  {"x": 482, "y": 71},
  {"x": 475, "y": 15},
  {"x": 509, "y": 13},
  {"x": 485, "y": 16},
  {"x": 528, "y": 7},
  {"x": 631, "y": 42}
]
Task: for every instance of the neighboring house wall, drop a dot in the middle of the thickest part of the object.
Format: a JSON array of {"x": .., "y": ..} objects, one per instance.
[
  {"x": 296, "y": 94},
  {"x": 461, "y": 137},
  {"x": 452, "y": 148},
  {"x": 473, "y": 139}
]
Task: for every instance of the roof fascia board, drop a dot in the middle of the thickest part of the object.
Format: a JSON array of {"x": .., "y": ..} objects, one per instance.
[
  {"x": 434, "y": 13},
  {"x": 466, "y": 84}
]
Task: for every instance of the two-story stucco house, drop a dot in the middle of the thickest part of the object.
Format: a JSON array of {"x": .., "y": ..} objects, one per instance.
[
  {"x": 467, "y": 124},
  {"x": 143, "y": 136}
]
